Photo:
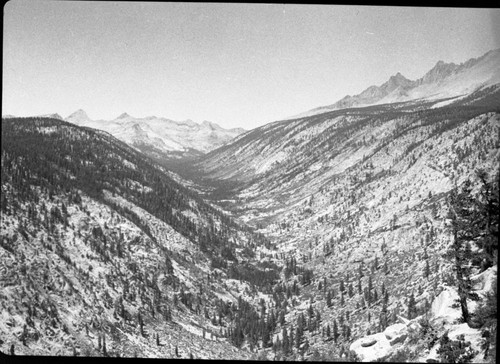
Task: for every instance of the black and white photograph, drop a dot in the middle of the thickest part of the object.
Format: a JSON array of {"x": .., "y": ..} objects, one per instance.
[{"x": 249, "y": 181}]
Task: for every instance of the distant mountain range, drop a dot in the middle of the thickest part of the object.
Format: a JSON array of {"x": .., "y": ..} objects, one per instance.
[
  {"x": 157, "y": 136},
  {"x": 161, "y": 134},
  {"x": 444, "y": 80}
]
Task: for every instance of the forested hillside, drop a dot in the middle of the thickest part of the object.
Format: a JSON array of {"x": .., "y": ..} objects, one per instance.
[
  {"x": 360, "y": 199},
  {"x": 103, "y": 254}
]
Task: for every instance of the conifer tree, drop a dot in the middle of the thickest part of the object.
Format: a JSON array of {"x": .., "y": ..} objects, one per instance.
[
  {"x": 329, "y": 299},
  {"x": 285, "y": 341},
  {"x": 317, "y": 316},
  {"x": 370, "y": 287},
  {"x": 463, "y": 219},
  {"x": 383, "y": 316},
  {"x": 335, "y": 331},
  {"x": 310, "y": 310},
  {"x": 282, "y": 318},
  {"x": 141, "y": 323},
  {"x": 427, "y": 270},
  {"x": 412, "y": 307},
  {"x": 299, "y": 333},
  {"x": 265, "y": 335},
  {"x": 104, "y": 345}
]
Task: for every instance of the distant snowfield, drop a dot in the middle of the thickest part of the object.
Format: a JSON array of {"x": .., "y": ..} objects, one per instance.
[{"x": 163, "y": 134}]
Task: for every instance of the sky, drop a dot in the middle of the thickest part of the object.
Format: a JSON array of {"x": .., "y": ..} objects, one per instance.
[{"x": 239, "y": 65}]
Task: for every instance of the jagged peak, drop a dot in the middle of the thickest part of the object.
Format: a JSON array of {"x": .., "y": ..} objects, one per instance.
[
  {"x": 438, "y": 72},
  {"x": 399, "y": 76},
  {"x": 123, "y": 116},
  {"x": 492, "y": 53},
  {"x": 79, "y": 112},
  {"x": 400, "y": 85}
]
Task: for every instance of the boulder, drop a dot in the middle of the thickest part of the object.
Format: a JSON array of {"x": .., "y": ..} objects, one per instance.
[
  {"x": 398, "y": 339},
  {"x": 396, "y": 333},
  {"x": 372, "y": 348},
  {"x": 368, "y": 343}
]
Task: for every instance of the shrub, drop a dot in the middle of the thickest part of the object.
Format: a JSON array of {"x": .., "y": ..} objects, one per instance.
[
  {"x": 486, "y": 312},
  {"x": 455, "y": 351},
  {"x": 400, "y": 356},
  {"x": 428, "y": 333}
]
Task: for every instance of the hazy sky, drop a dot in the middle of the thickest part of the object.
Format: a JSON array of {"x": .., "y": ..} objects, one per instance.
[{"x": 240, "y": 65}]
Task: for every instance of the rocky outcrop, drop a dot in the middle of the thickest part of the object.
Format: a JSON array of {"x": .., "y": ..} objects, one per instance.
[
  {"x": 380, "y": 346},
  {"x": 396, "y": 333},
  {"x": 443, "y": 318}
]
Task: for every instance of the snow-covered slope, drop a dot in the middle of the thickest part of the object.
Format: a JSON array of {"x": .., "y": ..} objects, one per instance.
[
  {"x": 359, "y": 196},
  {"x": 102, "y": 254},
  {"x": 407, "y": 337},
  {"x": 161, "y": 134},
  {"x": 444, "y": 80}
]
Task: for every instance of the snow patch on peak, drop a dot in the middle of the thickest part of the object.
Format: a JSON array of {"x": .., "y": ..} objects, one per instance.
[
  {"x": 189, "y": 123},
  {"x": 161, "y": 133},
  {"x": 78, "y": 116},
  {"x": 210, "y": 125}
]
